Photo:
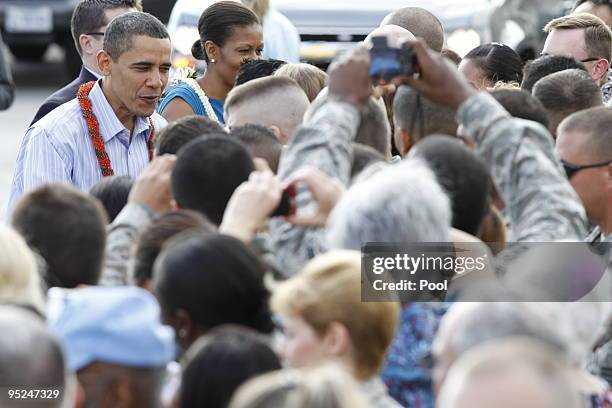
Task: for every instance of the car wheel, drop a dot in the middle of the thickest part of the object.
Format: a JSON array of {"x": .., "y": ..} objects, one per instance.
[{"x": 28, "y": 53}]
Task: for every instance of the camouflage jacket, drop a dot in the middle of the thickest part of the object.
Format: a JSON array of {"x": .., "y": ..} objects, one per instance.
[
  {"x": 541, "y": 205},
  {"x": 324, "y": 142}
]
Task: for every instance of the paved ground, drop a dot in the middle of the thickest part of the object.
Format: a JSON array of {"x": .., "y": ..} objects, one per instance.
[{"x": 35, "y": 81}]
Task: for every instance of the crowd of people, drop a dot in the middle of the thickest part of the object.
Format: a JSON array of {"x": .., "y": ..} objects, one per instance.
[{"x": 195, "y": 241}]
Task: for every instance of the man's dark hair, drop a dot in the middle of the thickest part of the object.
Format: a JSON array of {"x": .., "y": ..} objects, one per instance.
[
  {"x": 160, "y": 229},
  {"x": 259, "y": 68},
  {"x": 498, "y": 62},
  {"x": 215, "y": 279},
  {"x": 67, "y": 228},
  {"x": 123, "y": 28},
  {"x": 217, "y": 24},
  {"x": 463, "y": 175},
  {"x": 113, "y": 193},
  {"x": 363, "y": 156},
  {"x": 88, "y": 16},
  {"x": 566, "y": 92},
  {"x": 261, "y": 142},
  {"x": 30, "y": 357},
  {"x": 546, "y": 65},
  {"x": 521, "y": 104},
  {"x": 182, "y": 131},
  {"x": 436, "y": 118},
  {"x": 421, "y": 23},
  {"x": 206, "y": 173},
  {"x": 217, "y": 364}
]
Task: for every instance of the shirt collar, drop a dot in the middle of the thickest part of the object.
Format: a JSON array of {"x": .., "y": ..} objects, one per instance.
[{"x": 110, "y": 125}]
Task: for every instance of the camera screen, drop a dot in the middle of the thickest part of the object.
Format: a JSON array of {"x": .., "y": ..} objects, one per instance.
[{"x": 384, "y": 62}]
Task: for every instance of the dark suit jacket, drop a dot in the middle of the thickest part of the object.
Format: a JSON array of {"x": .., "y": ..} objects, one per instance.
[{"x": 63, "y": 95}]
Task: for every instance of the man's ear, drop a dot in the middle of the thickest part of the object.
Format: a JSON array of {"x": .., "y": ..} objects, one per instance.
[
  {"x": 279, "y": 135},
  {"x": 104, "y": 62},
  {"x": 85, "y": 43},
  {"x": 600, "y": 70},
  {"x": 406, "y": 142},
  {"x": 174, "y": 205}
]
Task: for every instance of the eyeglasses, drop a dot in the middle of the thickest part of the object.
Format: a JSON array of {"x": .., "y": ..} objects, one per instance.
[
  {"x": 95, "y": 33},
  {"x": 572, "y": 169}
]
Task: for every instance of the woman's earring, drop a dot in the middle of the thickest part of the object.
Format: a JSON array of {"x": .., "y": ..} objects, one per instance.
[{"x": 212, "y": 60}]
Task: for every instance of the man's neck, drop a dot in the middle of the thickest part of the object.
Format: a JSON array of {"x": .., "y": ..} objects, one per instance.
[
  {"x": 127, "y": 118},
  {"x": 92, "y": 66}
]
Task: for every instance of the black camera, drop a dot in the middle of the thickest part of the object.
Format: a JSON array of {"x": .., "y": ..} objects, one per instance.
[{"x": 387, "y": 62}]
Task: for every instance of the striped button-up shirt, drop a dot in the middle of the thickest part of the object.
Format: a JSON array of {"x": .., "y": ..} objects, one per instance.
[{"x": 58, "y": 148}]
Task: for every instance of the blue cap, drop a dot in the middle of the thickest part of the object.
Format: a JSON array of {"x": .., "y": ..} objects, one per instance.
[{"x": 117, "y": 325}]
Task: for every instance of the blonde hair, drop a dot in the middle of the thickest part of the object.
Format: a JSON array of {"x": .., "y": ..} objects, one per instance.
[
  {"x": 597, "y": 35},
  {"x": 505, "y": 85},
  {"x": 259, "y": 7},
  {"x": 19, "y": 279},
  {"x": 310, "y": 78},
  {"x": 328, "y": 290},
  {"x": 322, "y": 387}
]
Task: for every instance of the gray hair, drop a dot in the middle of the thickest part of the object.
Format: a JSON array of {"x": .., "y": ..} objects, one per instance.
[
  {"x": 472, "y": 324},
  {"x": 401, "y": 203},
  {"x": 118, "y": 37}
]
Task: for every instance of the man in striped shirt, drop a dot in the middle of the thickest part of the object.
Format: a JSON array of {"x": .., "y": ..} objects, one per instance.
[{"x": 108, "y": 129}]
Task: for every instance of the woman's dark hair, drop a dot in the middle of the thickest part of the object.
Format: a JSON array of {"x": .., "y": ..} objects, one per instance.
[
  {"x": 218, "y": 363},
  {"x": 113, "y": 192},
  {"x": 161, "y": 228},
  {"x": 217, "y": 23},
  {"x": 499, "y": 62},
  {"x": 215, "y": 279}
]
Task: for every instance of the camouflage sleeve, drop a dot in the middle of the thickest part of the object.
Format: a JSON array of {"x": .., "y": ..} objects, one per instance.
[
  {"x": 325, "y": 143},
  {"x": 120, "y": 237},
  {"x": 541, "y": 204}
]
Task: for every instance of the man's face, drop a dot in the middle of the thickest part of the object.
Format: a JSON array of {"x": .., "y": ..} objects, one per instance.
[
  {"x": 571, "y": 43},
  {"x": 603, "y": 12},
  {"x": 139, "y": 76},
  {"x": 590, "y": 184}
]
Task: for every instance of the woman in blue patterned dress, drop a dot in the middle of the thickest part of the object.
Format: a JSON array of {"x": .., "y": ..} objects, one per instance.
[{"x": 230, "y": 34}]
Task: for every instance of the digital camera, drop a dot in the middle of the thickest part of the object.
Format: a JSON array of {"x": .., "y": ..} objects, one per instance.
[{"x": 387, "y": 62}]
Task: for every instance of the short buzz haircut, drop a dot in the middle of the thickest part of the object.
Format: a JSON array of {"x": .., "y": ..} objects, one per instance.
[
  {"x": 328, "y": 291},
  {"x": 597, "y": 3},
  {"x": 521, "y": 104},
  {"x": 250, "y": 91},
  {"x": 437, "y": 119},
  {"x": 68, "y": 229},
  {"x": 120, "y": 31},
  {"x": 261, "y": 142},
  {"x": 312, "y": 79},
  {"x": 546, "y": 65},
  {"x": 566, "y": 92},
  {"x": 182, "y": 131},
  {"x": 88, "y": 16},
  {"x": 419, "y": 22},
  {"x": 597, "y": 35},
  {"x": 596, "y": 122}
]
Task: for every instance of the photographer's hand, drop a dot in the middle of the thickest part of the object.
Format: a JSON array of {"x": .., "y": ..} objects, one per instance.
[
  {"x": 325, "y": 190},
  {"x": 251, "y": 205},
  {"x": 439, "y": 80},
  {"x": 349, "y": 80}
]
